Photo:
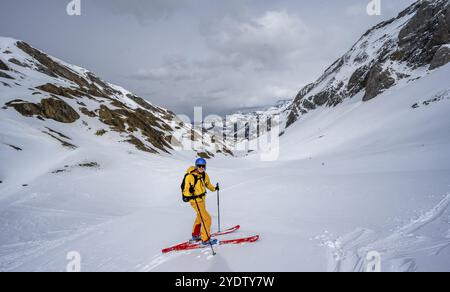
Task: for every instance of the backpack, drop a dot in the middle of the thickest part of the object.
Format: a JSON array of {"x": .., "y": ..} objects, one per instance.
[{"x": 191, "y": 188}]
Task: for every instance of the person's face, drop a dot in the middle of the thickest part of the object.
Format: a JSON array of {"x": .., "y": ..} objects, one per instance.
[{"x": 201, "y": 168}]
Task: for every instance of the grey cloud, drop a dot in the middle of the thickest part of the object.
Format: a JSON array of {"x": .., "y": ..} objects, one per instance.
[
  {"x": 177, "y": 68},
  {"x": 145, "y": 10},
  {"x": 250, "y": 62},
  {"x": 265, "y": 41}
]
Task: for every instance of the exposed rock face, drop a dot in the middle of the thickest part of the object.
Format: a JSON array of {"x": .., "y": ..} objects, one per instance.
[
  {"x": 128, "y": 121},
  {"x": 308, "y": 105},
  {"x": 321, "y": 98},
  {"x": 94, "y": 90},
  {"x": 441, "y": 58},
  {"x": 358, "y": 80},
  {"x": 140, "y": 101},
  {"x": 378, "y": 81},
  {"x": 88, "y": 112},
  {"x": 3, "y": 66},
  {"x": 50, "y": 108},
  {"x": 139, "y": 145},
  {"x": 18, "y": 63},
  {"x": 66, "y": 92},
  {"x": 27, "y": 109},
  {"x": 109, "y": 117},
  {"x": 51, "y": 67},
  {"x": 4, "y": 75},
  {"x": 58, "y": 110},
  {"x": 295, "y": 110},
  {"x": 417, "y": 38},
  {"x": 204, "y": 155},
  {"x": 425, "y": 33}
]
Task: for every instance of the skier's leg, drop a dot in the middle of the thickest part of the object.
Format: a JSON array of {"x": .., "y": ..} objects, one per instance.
[
  {"x": 206, "y": 230},
  {"x": 196, "y": 229}
]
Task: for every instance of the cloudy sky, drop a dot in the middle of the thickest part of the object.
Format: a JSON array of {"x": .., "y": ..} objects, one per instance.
[{"x": 219, "y": 54}]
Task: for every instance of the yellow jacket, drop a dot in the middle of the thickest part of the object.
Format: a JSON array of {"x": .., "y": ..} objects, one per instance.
[{"x": 200, "y": 187}]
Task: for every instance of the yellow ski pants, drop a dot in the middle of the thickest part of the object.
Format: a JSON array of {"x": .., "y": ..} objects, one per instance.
[{"x": 199, "y": 228}]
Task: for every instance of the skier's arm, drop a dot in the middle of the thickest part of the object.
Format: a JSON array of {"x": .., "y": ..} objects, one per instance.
[
  {"x": 187, "y": 185},
  {"x": 208, "y": 184}
]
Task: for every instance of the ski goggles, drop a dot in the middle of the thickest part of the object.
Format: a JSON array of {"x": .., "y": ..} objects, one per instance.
[{"x": 201, "y": 166}]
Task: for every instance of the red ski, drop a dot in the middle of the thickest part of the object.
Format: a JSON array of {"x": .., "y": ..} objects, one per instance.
[
  {"x": 191, "y": 246},
  {"x": 227, "y": 231}
]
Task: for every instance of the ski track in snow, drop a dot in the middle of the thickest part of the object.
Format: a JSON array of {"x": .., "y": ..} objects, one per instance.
[
  {"x": 397, "y": 250},
  {"x": 160, "y": 260}
]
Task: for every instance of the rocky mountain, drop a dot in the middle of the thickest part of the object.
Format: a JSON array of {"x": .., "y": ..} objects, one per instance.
[
  {"x": 43, "y": 90},
  {"x": 251, "y": 123},
  {"x": 395, "y": 52}
]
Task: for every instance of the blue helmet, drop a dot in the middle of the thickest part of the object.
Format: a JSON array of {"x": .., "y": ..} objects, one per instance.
[{"x": 200, "y": 162}]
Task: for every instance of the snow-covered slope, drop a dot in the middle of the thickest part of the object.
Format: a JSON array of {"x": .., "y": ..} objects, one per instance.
[
  {"x": 392, "y": 173},
  {"x": 52, "y": 97},
  {"x": 392, "y": 53},
  {"x": 347, "y": 184}
]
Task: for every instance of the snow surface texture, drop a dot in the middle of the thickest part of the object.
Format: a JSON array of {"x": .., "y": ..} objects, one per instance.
[{"x": 360, "y": 177}]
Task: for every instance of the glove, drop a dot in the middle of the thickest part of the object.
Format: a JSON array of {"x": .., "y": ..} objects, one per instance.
[{"x": 217, "y": 188}]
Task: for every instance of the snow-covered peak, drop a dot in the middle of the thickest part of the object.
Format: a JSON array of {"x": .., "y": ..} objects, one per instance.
[
  {"x": 43, "y": 88},
  {"x": 251, "y": 123},
  {"x": 392, "y": 53}
]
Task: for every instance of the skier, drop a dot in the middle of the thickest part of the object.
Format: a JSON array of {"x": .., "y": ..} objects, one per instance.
[{"x": 195, "y": 183}]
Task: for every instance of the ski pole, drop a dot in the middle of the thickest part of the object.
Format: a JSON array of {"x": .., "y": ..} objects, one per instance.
[
  {"x": 218, "y": 203},
  {"x": 204, "y": 226}
]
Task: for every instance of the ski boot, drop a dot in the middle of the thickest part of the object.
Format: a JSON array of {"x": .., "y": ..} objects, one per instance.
[{"x": 213, "y": 242}]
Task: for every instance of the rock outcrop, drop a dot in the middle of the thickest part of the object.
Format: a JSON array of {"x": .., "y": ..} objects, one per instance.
[
  {"x": 49, "y": 108},
  {"x": 441, "y": 58}
]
